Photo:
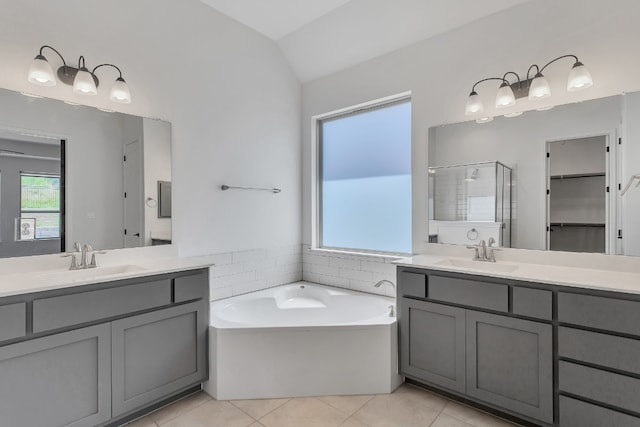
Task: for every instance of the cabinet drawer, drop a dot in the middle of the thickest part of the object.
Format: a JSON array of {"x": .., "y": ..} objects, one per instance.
[
  {"x": 13, "y": 321},
  {"x": 491, "y": 296},
  {"x": 599, "y": 312},
  {"x": 68, "y": 310},
  {"x": 188, "y": 288},
  {"x": 536, "y": 303},
  {"x": 601, "y": 386},
  {"x": 412, "y": 284},
  {"x": 600, "y": 349},
  {"x": 576, "y": 413}
]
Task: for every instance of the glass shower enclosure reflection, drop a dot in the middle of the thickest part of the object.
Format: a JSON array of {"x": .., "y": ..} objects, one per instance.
[{"x": 469, "y": 203}]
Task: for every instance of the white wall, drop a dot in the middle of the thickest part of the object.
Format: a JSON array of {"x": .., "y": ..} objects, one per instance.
[
  {"x": 232, "y": 100},
  {"x": 440, "y": 72}
]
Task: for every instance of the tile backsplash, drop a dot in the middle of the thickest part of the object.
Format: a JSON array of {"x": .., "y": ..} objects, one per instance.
[
  {"x": 236, "y": 273},
  {"x": 350, "y": 271}
]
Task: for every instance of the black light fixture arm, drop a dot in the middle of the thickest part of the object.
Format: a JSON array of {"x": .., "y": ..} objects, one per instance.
[
  {"x": 107, "y": 65},
  {"x": 81, "y": 63},
  {"x": 502, "y": 79},
  {"x": 53, "y": 49},
  {"x": 529, "y": 71},
  {"x": 559, "y": 57}
]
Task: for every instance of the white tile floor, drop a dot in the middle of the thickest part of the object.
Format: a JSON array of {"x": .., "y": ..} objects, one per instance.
[{"x": 408, "y": 406}]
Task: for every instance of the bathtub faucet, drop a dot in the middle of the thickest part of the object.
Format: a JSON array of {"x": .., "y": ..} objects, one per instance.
[{"x": 382, "y": 282}]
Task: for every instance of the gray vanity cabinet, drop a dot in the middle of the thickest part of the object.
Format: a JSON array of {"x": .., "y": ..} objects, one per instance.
[
  {"x": 461, "y": 333},
  {"x": 103, "y": 353},
  {"x": 510, "y": 363},
  {"x": 61, "y": 379},
  {"x": 433, "y": 343},
  {"x": 158, "y": 353}
]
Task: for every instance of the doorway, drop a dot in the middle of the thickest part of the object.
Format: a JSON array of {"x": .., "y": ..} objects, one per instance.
[
  {"x": 578, "y": 208},
  {"x": 133, "y": 213}
]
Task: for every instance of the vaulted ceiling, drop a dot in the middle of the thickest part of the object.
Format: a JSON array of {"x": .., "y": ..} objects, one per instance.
[{"x": 320, "y": 37}]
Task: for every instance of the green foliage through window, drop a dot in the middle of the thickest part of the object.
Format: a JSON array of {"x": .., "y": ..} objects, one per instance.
[{"x": 40, "y": 199}]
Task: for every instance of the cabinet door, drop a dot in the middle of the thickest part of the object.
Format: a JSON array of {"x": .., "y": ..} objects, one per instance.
[
  {"x": 510, "y": 364},
  {"x": 158, "y": 353},
  {"x": 58, "y": 380},
  {"x": 432, "y": 345}
]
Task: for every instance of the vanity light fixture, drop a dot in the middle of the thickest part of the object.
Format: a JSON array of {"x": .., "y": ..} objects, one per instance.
[
  {"x": 84, "y": 82},
  {"x": 534, "y": 88}
]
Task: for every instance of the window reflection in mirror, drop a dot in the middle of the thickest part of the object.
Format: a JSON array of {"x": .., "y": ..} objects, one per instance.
[{"x": 92, "y": 185}]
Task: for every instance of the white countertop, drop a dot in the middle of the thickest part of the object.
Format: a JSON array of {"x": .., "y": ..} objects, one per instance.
[
  {"x": 50, "y": 273},
  {"x": 579, "y": 277}
]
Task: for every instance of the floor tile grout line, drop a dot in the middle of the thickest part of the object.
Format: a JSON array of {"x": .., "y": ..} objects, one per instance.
[
  {"x": 357, "y": 409},
  {"x": 439, "y": 413},
  {"x": 150, "y": 415},
  {"x": 251, "y": 416},
  {"x": 453, "y": 415}
]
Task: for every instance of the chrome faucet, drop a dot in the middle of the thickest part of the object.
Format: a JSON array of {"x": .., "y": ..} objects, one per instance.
[
  {"x": 84, "y": 251},
  {"x": 484, "y": 252},
  {"x": 83, "y": 260}
]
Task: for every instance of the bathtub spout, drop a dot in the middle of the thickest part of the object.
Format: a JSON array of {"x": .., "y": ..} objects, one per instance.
[{"x": 388, "y": 282}]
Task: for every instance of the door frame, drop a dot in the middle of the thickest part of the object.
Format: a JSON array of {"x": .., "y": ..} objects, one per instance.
[
  {"x": 611, "y": 178},
  {"x": 63, "y": 139}
]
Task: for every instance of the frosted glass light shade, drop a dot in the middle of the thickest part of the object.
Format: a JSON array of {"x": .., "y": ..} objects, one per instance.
[
  {"x": 579, "y": 78},
  {"x": 120, "y": 92},
  {"x": 41, "y": 73},
  {"x": 505, "y": 97},
  {"x": 539, "y": 88},
  {"x": 84, "y": 83},
  {"x": 474, "y": 104}
]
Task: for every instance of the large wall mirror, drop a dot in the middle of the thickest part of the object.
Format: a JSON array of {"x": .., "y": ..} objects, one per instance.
[
  {"x": 71, "y": 173},
  {"x": 543, "y": 180}
]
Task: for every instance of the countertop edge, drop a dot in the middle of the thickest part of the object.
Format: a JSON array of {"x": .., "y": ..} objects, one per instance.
[
  {"x": 28, "y": 283},
  {"x": 577, "y": 283}
]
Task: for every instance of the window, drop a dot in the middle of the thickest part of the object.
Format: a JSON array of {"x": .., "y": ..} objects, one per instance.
[
  {"x": 40, "y": 200},
  {"x": 365, "y": 179}
]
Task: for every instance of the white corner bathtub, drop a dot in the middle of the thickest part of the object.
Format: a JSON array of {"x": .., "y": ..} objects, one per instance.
[{"x": 302, "y": 339}]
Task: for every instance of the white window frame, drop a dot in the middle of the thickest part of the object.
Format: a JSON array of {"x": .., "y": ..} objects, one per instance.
[{"x": 316, "y": 170}]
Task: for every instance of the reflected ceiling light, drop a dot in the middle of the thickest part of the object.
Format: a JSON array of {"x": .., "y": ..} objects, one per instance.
[
  {"x": 484, "y": 120},
  {"x": 534, "y": 88},
  {"x": 84, "y": 82},
  {"x": 31, "y": 95},
  {"x": 547, "y": 108},
  {"x": 514, "y": 114}
]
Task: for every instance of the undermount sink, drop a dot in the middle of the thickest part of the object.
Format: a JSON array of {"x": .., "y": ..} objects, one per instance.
[
  {"x": 91, "y": 273},
  {"x": 478, "y": 265}
]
